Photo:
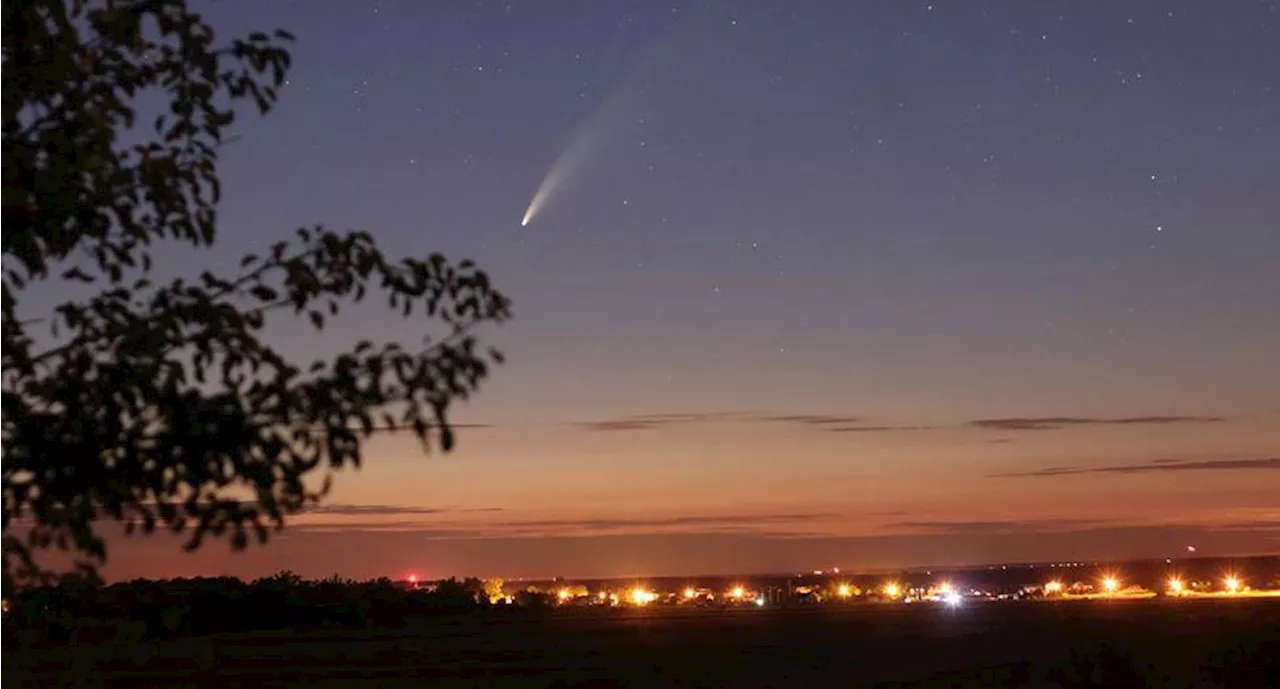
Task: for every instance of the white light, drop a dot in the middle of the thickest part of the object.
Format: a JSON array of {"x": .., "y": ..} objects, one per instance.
[
  {"x": 953, "y": 600},
  {"x": 760, "y": 602}
]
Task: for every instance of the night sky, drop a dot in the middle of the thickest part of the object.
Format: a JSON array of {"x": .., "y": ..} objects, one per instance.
[{"x": 864, "y": 284}]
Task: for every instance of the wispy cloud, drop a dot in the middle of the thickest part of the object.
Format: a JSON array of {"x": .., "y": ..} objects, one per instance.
[
  {"x": 345, "y": 510},
  {"x": 797, "y": 528},
  {"x": 846, "y": 423},
  {"x": 811, "y": 419},
  {"x": 1165, "y": 465},
  {"x": 1049, "y": 423},
  {"x": 1253, "y": 525},
  {"x": 349, "y": 510},
  {"x": 640, "y": 422},
  {"x": 777, "y": 524},
  {"x": 876, "y": 429},
  {"x": 736, "y": 521},
  {"x": 972, "y": 528},
  {"x": 452, "y": 425},
  {"x": 609, "y": 425},
  {"x": 394, "y": 526}
]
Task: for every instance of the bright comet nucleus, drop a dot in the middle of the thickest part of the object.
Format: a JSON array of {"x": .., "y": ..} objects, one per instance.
[{"x": 585, "y": 140}]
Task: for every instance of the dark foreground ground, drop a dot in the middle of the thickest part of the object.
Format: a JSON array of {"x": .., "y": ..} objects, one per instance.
[{"x": 1231, "y": 643}]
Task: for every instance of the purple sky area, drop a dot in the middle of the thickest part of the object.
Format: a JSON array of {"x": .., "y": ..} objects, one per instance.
[{"x": 809, "y": 283}]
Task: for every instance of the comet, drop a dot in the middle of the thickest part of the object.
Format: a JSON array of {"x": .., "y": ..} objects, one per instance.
[
  {"x": 587, "y": 138},
  {"x": 606, "y": 122},
  {"x": 572, "y": 158}
]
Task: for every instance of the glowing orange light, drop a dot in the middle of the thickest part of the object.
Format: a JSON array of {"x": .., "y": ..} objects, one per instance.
[
  {"x": 1053, "y": 587},
  {"x": 1111, "y": 584},
  {"x": 892, "y": 590},
  {"x": 1175, "y": 586},
  {"x": 844, "y": 591},
  {"x": 563, "y": 595},
  {"x": 690, "y": 593},
  {"x": 1233, "y": 583},
  {"x": 738, "y": 592}
]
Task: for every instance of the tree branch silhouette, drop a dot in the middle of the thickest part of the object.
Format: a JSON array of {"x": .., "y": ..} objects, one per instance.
[{"x": 163, "y": 405}]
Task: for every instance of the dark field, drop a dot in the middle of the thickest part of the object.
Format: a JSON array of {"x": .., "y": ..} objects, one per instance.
[{"x": 1234, "y": 643}]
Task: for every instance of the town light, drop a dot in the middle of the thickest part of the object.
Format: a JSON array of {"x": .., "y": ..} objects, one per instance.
[
  {"x": 689, "y": 593},
  {"x": 1111, "y": 584},
  {"x": 892, "y": 590},
  {"x": 1053, "y": 587},
  {"x": 1175, "y": 586},
  {"x": 737, "y": 592},
  {"x": 1232, "y": 583},
  {"x": 563, "y": 595},
  {"x": 844, "y": 591}
]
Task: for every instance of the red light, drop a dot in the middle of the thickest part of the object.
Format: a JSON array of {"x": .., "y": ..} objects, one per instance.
[{"x": 413, "y": 578}]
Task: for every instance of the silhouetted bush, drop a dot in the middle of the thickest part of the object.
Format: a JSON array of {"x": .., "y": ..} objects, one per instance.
[
  {"x": 184, "y": 607},
  {"x": 533, "y": 600}
]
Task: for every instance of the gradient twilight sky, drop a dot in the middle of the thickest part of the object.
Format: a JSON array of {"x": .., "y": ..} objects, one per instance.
[{"x": 857, "y": 283}]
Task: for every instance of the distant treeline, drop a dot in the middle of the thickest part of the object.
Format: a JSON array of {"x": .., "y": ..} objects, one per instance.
[{"x": 184, "y": 607}]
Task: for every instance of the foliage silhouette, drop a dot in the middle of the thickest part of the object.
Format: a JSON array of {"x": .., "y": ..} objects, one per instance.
[
  {"x": 157, "y": 402},
  {"x": 186, "y": 607}
]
